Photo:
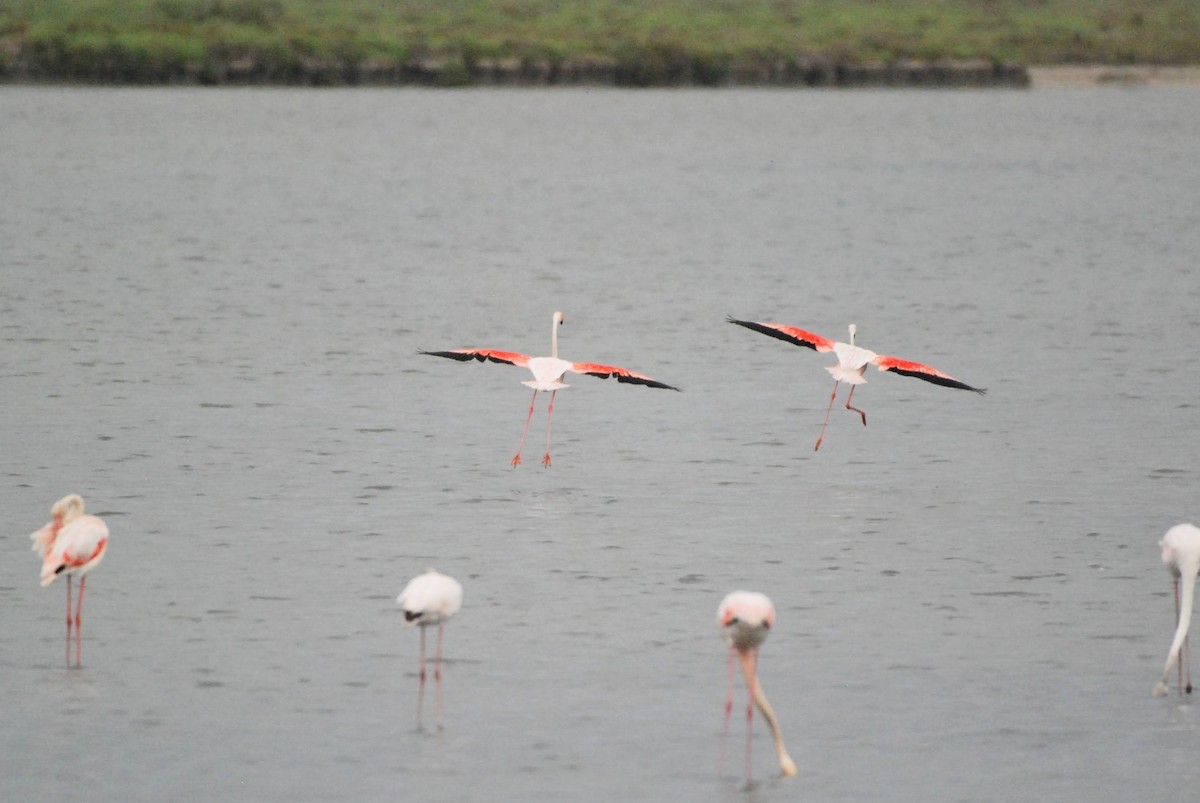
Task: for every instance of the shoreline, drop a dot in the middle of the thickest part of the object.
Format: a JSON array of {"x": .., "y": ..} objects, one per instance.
[{"x": 1091, "y": 76}]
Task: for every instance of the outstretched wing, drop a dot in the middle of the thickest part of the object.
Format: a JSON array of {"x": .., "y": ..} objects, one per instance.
[
  {"x": 483, "y": 355},
  {"x": 909, "y": 368},
  {"x": 791, "y": 334},
  {"x": 622, "y": 374}
]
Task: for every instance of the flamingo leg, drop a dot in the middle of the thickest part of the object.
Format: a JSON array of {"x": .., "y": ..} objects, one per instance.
[
  {"x": 69, "y": 622},
  {"x": 437, "y": 675},
  {"x": 421, "y": 687},
  {"x": 549, "y": 421},
  {"x": 750, "y": 667},
  {"x": 855, "y": 409},
  {"x": 79, "y": 623},
  {"x": 1187, "y": 651},
  {"x": 832, "y": 396},
  {"x": 516, "y": 461},
  {"x": 728, "y": 711},
  {"x": 1178, "y": 666}
]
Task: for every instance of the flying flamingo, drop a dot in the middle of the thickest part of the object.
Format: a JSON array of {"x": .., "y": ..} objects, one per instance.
[
  {"x": 71, "y": 543},
  {"x": 430, "y": 599},
  {"x": 1181, "y": 556},
  {"x": 852, "y": 363},
  {"x": 746, "y": 617},
  {"x": 547, "y": 375}
]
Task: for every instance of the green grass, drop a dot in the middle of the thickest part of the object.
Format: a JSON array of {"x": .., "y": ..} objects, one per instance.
[{"x": 649, "y": 41}]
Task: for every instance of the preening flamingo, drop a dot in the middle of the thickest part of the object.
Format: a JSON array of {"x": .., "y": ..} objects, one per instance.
[
  {"x": 1181, "y": 556},
  {"x": 548, "y": 373},
  {"x": 746, "y": 617},
  {"x": 852, "y": 363},
  {"x": 430, "y": 599},
  {"x": 71, "y": 543}
]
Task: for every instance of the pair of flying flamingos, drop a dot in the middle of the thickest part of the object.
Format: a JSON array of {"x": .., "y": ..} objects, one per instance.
[{"x": 852, "y": 362}]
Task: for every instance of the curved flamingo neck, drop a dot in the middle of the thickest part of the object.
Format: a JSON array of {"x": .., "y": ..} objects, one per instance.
[{"x": 787, "y": 767}]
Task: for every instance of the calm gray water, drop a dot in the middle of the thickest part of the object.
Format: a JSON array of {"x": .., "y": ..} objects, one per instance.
[{"x": 211, "y": 306}]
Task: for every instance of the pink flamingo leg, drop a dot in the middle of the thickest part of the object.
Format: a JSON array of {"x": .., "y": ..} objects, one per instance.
[
  {"x": 1187, "y": 651},
  {"x": 79, "y": 623},
  {"x": 421, "y": 687},
  {"x": 728, "y": 711},
  {"x": 832, "y": 396},
  {"x": 437, "y": 675},
  {"x": 516, "y": 461},
  {"x": 855, "y": 409},
  {"x": 69, "y": 621},
  {"x": 549, "y": 420},
  {"x": 751, "y": 660}
]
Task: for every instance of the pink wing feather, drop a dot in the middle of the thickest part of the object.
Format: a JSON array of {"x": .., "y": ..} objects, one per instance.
[
  {"x": 483, "y": 355},
  {"x": 791, "y": 334},
  {"x": 622, "y": 374},
  {"x": 916, "y": 369}
]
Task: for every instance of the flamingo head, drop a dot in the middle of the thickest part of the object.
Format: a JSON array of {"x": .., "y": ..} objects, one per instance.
[
  {"x": 853, "y": 332},
  {"x": 558, "y": 318},
  {"x": 68, "y": 507}
]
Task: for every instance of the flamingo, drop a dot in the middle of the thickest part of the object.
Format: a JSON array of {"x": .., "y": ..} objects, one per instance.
[
  {"x": 1181, "y": 556},
  {"x": 71, "y": 543},
  {"x": 430, "y": 599},
  {"x": 852, "y": 363},
  {"x": 746, "y": 617},
  {"x": 548, "y": 373}
]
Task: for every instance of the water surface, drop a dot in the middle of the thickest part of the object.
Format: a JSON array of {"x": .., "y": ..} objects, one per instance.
[{"x": 212, "y": 303}]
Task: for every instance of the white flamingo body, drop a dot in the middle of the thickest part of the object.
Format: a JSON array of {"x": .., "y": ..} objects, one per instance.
[
  {"x": 430, "y": 599},
  {"x": 852, "y": 363},
  {"x": 746, "y": 617},
  {"x": 548, "y": 373},
  {"x": 1181, "y": 555},
  {"x": 72, "y": 543}
]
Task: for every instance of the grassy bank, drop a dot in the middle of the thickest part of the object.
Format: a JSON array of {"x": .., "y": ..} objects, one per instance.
[{"x": 650, "y": 42}]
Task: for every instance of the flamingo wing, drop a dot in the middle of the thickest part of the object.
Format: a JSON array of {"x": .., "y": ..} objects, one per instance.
[
  {"x": 43, "y": 539},
  {"x": 483, "y": 355},
  {"x": 916, "y": 369},
  {"x": 79, "y": 545},
  {"x": 622, "y": 374},
  {"x": 791, "y": 334}
]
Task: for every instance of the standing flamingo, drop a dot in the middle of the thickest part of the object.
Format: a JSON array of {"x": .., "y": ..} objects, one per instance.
[
  {"x": 746, "y": 617},
  {"x": 852, "y": 363},
  {"x": 1181, "y": 556},
  {"x": 547, "y": 375},
  {"x": 430, "y": 599},
  {"x": 71, "y": 543}
]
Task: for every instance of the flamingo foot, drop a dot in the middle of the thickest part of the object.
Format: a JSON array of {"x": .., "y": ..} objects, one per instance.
[
  {"x": 860, "y": 412},
  {"x": 546, "y": 460},
  {"x": 516, "y": 461},
  {"x": 818, "y": 446}
]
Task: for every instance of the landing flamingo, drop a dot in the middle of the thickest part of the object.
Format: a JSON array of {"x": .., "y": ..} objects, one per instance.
[
  {"x": 1181, "y": 556},
  {"x": 852, "y": 363},
  {"x": 547, "y": 375},
  {"x": 746, "y": 617},
  {"x": 430, "y": 599},
  {"x": 71, "y": 543}
]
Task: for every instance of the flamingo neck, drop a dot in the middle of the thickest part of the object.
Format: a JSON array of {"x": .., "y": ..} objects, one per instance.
[
  {"x": 787, "y": 767},
  {"x": 554, "y": 338},
  {"x": 1188, "y": 570}
]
